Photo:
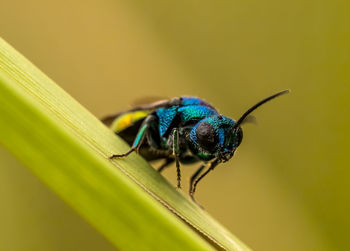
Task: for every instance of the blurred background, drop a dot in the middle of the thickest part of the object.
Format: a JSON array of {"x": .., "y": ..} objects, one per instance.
[{"x": 287, "y": 188}]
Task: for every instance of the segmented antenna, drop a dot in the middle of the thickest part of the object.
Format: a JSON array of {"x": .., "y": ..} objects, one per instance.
[{"x": 241, "y": 119}]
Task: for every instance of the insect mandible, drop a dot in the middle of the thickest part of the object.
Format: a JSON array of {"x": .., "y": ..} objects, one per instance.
[{"x": 181, "y": 130}]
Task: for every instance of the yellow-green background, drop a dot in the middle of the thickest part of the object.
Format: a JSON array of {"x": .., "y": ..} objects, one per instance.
[{"x": 287, "y": 187}]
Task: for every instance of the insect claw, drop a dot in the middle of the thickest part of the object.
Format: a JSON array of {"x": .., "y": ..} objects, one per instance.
[
  {"x": 122, "y": 155},
  {"x": 116, "y": 156},
  {"x": 192, "y": 197}
]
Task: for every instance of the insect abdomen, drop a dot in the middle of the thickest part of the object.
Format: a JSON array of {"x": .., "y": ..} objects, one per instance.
[{"x": 127, "y": 120}]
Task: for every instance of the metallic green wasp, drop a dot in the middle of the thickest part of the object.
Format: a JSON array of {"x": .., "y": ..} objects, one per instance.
[{"x": 181, "y": 130}]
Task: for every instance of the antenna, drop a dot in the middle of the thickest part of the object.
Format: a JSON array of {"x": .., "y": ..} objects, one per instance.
[{"x": 241, "y": 119}]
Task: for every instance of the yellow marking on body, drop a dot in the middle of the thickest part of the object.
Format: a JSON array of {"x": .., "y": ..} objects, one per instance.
[{"x": 128, "y": 119}]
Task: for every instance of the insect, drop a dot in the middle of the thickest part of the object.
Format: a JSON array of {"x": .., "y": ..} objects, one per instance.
[{"x": 181, "y": 130}]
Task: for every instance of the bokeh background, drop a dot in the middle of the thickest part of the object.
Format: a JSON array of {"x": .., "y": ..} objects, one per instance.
[{"x": 287, "y": 187}]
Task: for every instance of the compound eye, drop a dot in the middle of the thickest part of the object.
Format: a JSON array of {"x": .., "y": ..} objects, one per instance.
[
  {"x": 206, "y": 135},
  {"x": 239, "y": 136}
]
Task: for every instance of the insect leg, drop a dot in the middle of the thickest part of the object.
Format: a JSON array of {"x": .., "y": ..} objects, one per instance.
[
  {"x": 139, "y": 137},
  {"x": 167, "y": 162},
  {"x": 176, "y": 150},
  {"x": 195, "y": 175},
  {"x": 211, "y": 167}
]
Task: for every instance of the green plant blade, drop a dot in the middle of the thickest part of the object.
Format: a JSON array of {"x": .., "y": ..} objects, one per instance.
[{"x": 67, "y": 147}]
